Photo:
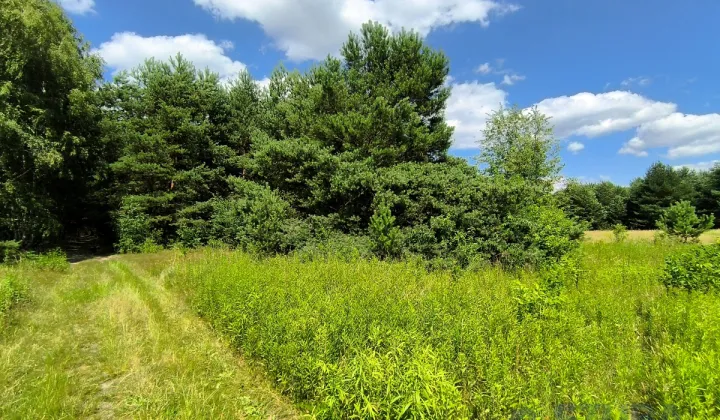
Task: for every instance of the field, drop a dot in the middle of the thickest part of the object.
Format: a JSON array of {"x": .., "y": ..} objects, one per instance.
[
  {"x": 214, "y": 333},
  {"x": 708, "y": 237}
]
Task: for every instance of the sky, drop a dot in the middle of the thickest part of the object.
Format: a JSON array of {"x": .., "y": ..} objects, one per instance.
[{"x": 624, "y": 82}]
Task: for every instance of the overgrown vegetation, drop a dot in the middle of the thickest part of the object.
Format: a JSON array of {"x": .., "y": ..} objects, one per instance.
[
  {"x": 694, "y": 269},
  {"x": 680, "y": 221},
  {"x": 594, "y": 335},
  {"x": 12, "y": 291}
]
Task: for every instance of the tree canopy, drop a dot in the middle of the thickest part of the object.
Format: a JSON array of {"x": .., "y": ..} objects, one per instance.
[{"x": 352, "y": 152}]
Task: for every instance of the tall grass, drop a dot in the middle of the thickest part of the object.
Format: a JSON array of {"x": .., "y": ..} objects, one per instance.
[
  {"x": 12, "y": 291},
  {"x": 372, "y": 339}
]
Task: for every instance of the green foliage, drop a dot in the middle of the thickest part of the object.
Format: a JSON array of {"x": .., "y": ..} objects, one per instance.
[
  {"x": 49, "y": 153},
  {"x": 385, "y": 236},
  {"x": 580, "y": 203},
  {"x": 13, "y": 290},
  {"x": 659, "y": 189},
  {"x": 9, "y": 252},
  {"x": 695, "y": 269},
  {"x": 680, "y": 221},
  {"x": 252, "y": 218},
  {"x": 620, "y": 233},
  {"x": 53, "y": 260},
  {"x": 519, "y": 143},
  {"x": 374, "y": 339},
  {"x": 134, "y": 226}
]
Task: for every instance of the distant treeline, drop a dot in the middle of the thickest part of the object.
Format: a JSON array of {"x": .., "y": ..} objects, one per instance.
[{"x": 639, "y": 206}]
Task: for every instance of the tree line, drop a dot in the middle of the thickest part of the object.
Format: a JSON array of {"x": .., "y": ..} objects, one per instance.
[
  {"x": 642, "y": 204},
  {"x": 350, "y": 156}
]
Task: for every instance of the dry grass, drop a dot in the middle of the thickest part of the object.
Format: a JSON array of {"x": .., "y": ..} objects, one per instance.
[
  {"x": 644, "y": 235},
  {"x": 107, "y": 340}
]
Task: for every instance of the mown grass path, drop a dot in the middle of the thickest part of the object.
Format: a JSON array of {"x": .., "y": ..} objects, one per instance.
[{"x": 107, "y": 340}]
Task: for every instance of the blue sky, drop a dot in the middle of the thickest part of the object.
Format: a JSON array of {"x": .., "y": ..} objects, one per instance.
[{"x": 626, "y": 83}]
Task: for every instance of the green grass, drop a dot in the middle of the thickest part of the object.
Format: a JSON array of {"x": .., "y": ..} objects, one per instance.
[
  {"x": 372, "y": 339},
  {"x": 597, "y": 337},
  {"x": 12, "y": 292},
  {"x": 105, "y": 339}
]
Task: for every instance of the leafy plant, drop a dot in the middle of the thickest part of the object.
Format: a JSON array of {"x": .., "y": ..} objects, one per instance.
[
  {"x": 620, "y": 233},
  {"x": 9, "y": 252},
  {"x": 13, "y": 290},
  {"x": 385, "y": 236},
  {"x": 53, "y": 260},
  {"x": 696, "y": 269},
  {"x": 681, "y": 221}
]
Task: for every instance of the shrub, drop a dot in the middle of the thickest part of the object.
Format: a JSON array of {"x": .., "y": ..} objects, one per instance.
[
  {"x": 620, "y": 233},
  {"x": 9, "y": 251},
  {"x": 12, "y": 291},
  {"x": 134, "y": 227},
  {"x": 681, "y": 221},
  {"x": 385, "y": 236},
  {"x": 53, "y": 260},
  {"x": 693, "y": 269}
]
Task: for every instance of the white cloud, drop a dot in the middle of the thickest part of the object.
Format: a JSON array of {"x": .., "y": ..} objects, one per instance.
[
  {"x": 640, "y": 81},
  {"x": 592, "y": 115},
  {"x": 312, "y": 29},
  {"x": 484, "y": 68},
  {"x": 510, "y": 79},
  {"x": 78, "y": 7},
  {"x": 682, "y": 134},
  {"x": 468, "y": 109},
  {"x": 575, "y": 147},
  {"x": 699, "y": 166},
  {"x": 263, "y": 83},
  {"x": 127, "y": 50}
]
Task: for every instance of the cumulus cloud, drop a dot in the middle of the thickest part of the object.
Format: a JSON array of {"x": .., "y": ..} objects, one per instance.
[
  {"x": 699, "y": 166},
  {"x": 127, "y": 50},
  {"x": 263, "y": 83},
  {"x": 575, "y": 147},
  {"x": 78, "y": 7},
  {"x": 591, "y": 115},
  {"x": 682, "y": 134},
  {"x": 468, "y": 109},
  {"x": 511, "y": 79},
  {"x": 312, "y": 29}
]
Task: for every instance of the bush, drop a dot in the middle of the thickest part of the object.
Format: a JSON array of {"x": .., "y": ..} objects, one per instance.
[
  {"x": 385, "y": 236},
  {"x": 54, "y": 260},
  {"x": 134, "y": 227},
  {"x": 696, "y": 269},
  {"x": 12, "y": 292},
  {"x": 9, "y": 252},
  {"x": 681, "y": 221},
  {"x": 620, "y": 233}
]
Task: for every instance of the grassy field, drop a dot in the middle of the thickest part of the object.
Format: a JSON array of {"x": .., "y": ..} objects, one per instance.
[
  {"x": 596, "y": 337},
  {"x": 600, "y": 338},
  {"x": 708, "y": 237},
  {"x": 105, "y": 339}
]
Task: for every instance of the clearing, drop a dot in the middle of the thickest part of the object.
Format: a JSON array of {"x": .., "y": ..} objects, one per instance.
[
  {"x": 708, "y": 237},
  {"x": 106, "y": 339}
]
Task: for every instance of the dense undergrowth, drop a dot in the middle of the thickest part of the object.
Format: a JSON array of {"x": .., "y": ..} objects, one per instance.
[{"x": 597, "y": 335}]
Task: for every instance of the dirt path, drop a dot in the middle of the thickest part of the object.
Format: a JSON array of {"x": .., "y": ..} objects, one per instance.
[{"x": 108, "y": 340}]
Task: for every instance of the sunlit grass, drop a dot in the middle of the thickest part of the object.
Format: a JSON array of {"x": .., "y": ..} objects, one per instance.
[
  {"x": 107, "y": 340},
  {"x": 708, "y": 237},
  {"x": 374, "y": 339}
]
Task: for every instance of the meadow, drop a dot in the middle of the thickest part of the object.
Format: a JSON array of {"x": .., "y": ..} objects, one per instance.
[
  {"x": 217, "y": 333},
  {"x": 708, "y": 237}
]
